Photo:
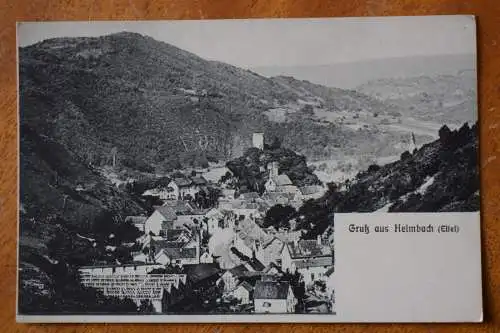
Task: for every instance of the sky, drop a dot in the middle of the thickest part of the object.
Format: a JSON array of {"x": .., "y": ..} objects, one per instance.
[{"x": 286, "y": 42}]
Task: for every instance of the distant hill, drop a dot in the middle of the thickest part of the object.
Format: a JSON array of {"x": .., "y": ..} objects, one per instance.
[
  {"x": 446, "y": 99},
  {"x": 351, "y": 75}
]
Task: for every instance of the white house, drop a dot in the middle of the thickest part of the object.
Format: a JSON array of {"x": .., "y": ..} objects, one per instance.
[
  {"x": 310, "y": 258},
  {"x": 177, "y": 256},
  {"x": 213, "y": 220},
  {"x": 160, "y": 193},
  {"x": 231, "y": 277},
  {"x": 182, "y": 187},
  {"x": 243, "y": 292},
  {"x": 269, "y": 252},
  {"x": 273, "y": 297},
  {"x": 161, "y": 220}
]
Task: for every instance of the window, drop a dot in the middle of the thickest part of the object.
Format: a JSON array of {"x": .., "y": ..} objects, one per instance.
[
  {"x": 312, "y": 276},
  {"x": 266, "y": 304}
]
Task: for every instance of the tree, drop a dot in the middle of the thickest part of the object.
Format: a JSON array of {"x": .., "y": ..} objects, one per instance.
[
  {"x": 279, "y": 216},
  {"x": 146, "y": 306}
]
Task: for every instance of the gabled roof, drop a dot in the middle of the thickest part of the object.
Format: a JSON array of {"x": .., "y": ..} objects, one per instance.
[
  {"x": 201, "y": 272},
  {"x": 199, "y": 180},
  {"x": 182, "y": 182},
  {"x": 246, "y": 285},
  {"x": 271, "y": 250},
  {"x": 306, "y": 248},
  {"x": 255, "y": 265},
  {"x": 180, "y": 253},
  {"x": 310, "y": 189},
  {"x": 179, "y": 206},
  {"x": 249, "y": 195},
  {"x": 282, "y": 180},
  {"x": 238, "y": 270},
  {"x": 173, "y": 235},
  {"x": 271, "y": 290},
  {"x": 167, "y": 213},
  {"x": 271, "y": 266}
]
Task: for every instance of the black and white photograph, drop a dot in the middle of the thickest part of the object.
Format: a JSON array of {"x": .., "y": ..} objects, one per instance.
[{"x": 199, "y": 168}]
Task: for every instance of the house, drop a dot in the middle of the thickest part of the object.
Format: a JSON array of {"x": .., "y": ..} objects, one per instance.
[
  {"x": 180, "y": 247},
  {"x": 214, "y": 220},
  {"x": 193, "y": 218},
  {"x": 183, "y": 187},
  {"x": 140, "y": 257},
  {"x": 137, "y": 221},
  {"x": 272, "y": 269},
  {"x": 310, "y": 192},
  {"x": 206, "y": 258},
  {"x": 274, "y": 297},
  {"x": 268, "y": 252},
  {"x": 249, "y": 196},
  {"x": 230, "y": 278},
  {"x": 177, "y": 256},
  {"x": 228, "y": 193},
  {"x": 247, "y": 233},
  {"x": 161, "y": 220},
  {"x": 203, "y": 275},
  {"x": 243, "y": 292},
  {"x": 180, "y": 207},
  {"x": 277, "y": 182},
  {"x": 310, "y": 258},
  {"x": 164, "y": 193}
]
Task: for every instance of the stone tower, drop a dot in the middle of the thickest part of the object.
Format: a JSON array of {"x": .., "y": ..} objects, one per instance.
[
  {"x": 273, "y": 169},
  {"x": 258, "y": 140}
]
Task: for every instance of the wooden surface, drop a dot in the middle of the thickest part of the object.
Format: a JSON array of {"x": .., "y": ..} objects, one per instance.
[{"x": 488, "y": 14}]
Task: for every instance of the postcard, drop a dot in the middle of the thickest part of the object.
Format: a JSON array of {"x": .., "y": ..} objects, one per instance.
[{"x": 260, "y": 170}]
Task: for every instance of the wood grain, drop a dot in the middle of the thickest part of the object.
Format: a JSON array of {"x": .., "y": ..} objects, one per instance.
[{"x": 488, "y": 14}]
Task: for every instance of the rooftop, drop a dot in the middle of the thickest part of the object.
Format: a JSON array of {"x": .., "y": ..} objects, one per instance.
[
  {"x": 136, "y": 219},
  {"x": 282, "y": 180},
  {"x": 182, "y": 182},
  {"x": 179, "y": 206},
  {"x": 310, "y": 189},
  {"x": 246, "y": 285},
  {"x": 308, "y": 248},
  {"x": 180, "y": 253},
  {"x": 167, "y": 212},
  {"x": 201, "y": 272}
]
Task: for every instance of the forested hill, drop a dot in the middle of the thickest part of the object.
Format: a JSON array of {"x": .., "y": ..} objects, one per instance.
[
  {"x": 165, "y": 107},
  {"x": 251, "y": 173},
  {"x": 440, "y": 176}
]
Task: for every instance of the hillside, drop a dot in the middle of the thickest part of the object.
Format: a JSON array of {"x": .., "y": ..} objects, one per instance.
[
  {"x": 162, "y": 107},
  {"x": 67, "y": 212},
  {"x": 440, "y": 176},
  {"x": 445, "y": 99}
]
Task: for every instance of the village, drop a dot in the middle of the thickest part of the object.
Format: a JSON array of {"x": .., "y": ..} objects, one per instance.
[{"x": 220, "y": 258}]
